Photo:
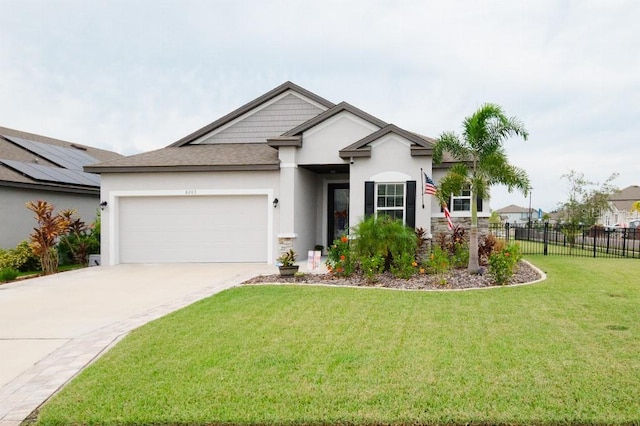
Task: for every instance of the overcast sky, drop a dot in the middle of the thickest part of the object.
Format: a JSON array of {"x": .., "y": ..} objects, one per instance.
[{"x": 132, "y": 76}]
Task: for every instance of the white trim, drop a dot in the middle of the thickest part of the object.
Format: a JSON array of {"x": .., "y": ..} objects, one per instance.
[
  {"x": 288, "y": 166},
  {"x": 255, "y": 110},
  {"x": 114, "y": 206},
  {"x": 403, "y": 209},
  {"x": 390, "y": 177}
]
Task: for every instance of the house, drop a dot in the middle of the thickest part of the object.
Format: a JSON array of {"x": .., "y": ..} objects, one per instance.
[
  {"x": 516, "y": 214},
  {"x": 34, "y": 167},
  {"x": 620, "y": 207},
  {"x": 289, "y": 169}
]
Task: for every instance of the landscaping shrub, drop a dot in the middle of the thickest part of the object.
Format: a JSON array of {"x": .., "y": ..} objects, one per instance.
[
  {"x": 404, "y": 265},
  {"x": 372, "y": 266},
  {"x": 485, "y": 248},
  {"x": 460, "y": 256},
  {"x": 8, "y": 274},
  {"x": 386, "y": 237},
  {"x": 44, "y": 238},
  {"x": 20, "y": 258},
  {"x": 456, "y": 246},
  {"x": 79, "y": 241},
  {"x": 438, "y": 261},
  {"x": 339, "y": 257},
  {"x": 502, "y": 263}
]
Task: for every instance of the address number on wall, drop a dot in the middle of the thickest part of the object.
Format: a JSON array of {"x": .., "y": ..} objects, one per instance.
[{"x": 190, "y": 192}]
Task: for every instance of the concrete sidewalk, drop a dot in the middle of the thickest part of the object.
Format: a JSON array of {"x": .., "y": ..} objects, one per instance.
[{"x": 52, "y": 327}]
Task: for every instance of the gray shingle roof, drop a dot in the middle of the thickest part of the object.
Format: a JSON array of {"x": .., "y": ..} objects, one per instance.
[
  {"x": 247, "y": 140},
  {"x": 624, "y": 199},
  {"x": 248, "y": 107},
  {"x": 512, "y": 208},
  {"x": 216, "y": 157}
]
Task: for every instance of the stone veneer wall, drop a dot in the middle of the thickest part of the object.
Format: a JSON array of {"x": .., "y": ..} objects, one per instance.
[{"x": 439, "y": 225}]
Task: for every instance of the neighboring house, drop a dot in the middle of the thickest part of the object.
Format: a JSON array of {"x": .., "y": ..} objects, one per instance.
[
  {"x": 620, "y": 204},
  {"x": 34, "y": 167},
  {"x": 517, "y": 214},
  {"x": 288, "y": 169}
]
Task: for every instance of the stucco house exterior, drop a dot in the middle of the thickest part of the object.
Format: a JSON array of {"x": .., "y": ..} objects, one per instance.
[
  {"x": 620, "y": 207},
  {"x": 35, "y": 167},
  {"x": 288, "y": 169}
]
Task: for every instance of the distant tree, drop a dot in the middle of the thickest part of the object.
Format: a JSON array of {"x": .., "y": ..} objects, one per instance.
[
  {"x": 587, "y": 201},
  {"x": 495, "y": 219},
  {"x": 482, "y": 162},
  {"x": 635, "y": 207}
]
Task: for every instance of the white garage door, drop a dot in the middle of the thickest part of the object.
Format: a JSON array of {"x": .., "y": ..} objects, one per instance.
[{"x": 217, "y": 228}]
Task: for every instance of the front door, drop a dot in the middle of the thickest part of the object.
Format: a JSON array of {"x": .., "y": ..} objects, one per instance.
[{"x": 338, "y": 214}]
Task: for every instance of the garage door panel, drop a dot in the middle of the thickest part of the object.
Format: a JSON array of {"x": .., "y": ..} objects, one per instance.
[{"x": 193, "y": 229}]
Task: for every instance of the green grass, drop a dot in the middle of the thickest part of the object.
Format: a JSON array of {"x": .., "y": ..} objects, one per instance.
[{"x": 563, "y": 351}]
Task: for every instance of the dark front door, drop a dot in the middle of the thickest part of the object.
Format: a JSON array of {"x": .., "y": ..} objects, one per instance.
[{"x": 338, "y": 214}]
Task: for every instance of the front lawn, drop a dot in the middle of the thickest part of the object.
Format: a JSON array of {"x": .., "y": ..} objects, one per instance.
[{"x": 562, "y": 351}]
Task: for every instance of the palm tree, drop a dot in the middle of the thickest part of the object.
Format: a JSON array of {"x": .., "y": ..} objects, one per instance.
[{"x": 482, "y": 162}]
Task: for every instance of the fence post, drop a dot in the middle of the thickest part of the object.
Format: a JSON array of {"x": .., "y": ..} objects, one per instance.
[
  {"x": 545, "y": 237},
  {"x": 624, "y": 242},
  {"x": 595, "y": 233}
]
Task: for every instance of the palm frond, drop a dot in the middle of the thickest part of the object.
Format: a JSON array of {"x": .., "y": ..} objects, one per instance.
[
  {"x": 450, "y": 142},
  {"x": 453, "y": 182}
]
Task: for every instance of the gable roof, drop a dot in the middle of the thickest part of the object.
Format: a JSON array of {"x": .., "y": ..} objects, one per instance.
[
  {"x": 28, "y": 160},
  {"x": 258, "y": 148},
  {"x": 247, "y": 108},
  {"x": 624, "y": 199},
  {"x": 331, "y": 112},
  {"x": 361, "y": 148},
  {"x": 512, "y": 208}
]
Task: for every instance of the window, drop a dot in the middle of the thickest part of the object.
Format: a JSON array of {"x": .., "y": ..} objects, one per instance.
[
  {"x": 462, "y": 202},
  {"x": 390, "y": 200}
]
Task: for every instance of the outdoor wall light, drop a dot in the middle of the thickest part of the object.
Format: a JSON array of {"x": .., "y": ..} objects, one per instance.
[
  {"x": 275, "y": 203},
  {"x": 103, "y": 205}
]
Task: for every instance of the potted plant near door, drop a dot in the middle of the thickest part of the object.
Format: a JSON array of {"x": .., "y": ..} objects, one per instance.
[{"x": 286, "y": 259}]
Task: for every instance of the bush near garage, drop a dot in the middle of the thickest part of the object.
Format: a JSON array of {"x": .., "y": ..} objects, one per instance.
[{"x": 20, "y": 258}]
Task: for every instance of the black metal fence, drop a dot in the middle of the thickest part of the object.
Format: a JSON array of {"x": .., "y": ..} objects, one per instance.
[{"x": 568, "y": 240}]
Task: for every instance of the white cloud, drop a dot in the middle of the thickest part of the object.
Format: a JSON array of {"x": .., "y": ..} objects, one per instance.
[{"x": 135, "y": 76}]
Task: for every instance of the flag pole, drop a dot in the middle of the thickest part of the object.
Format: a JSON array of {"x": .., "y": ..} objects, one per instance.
[{"x": 422, "y": 185}]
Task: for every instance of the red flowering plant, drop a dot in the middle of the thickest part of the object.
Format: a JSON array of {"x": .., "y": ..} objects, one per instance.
[{"x": 339, "y": 258}]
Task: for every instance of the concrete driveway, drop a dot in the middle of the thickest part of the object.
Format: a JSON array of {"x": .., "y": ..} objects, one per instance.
[{"x": 52, "y": 327}]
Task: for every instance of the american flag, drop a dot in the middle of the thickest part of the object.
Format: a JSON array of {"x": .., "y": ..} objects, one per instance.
[
  {"x": 448, "y": 216},
  {"x": 429, "y": 185}
]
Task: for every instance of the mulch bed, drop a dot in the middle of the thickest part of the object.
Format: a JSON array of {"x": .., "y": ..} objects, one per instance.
[{"x": 456, "y": 279}]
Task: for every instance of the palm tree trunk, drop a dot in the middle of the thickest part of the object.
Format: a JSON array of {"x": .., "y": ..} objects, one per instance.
[
  {"x": 474, "y": 266},
  {"x": 473, "y": 237}
]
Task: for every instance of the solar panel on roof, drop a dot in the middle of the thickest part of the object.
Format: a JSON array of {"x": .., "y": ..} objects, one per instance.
[
  {"x": 54, "y": 174},
  {"x": 69, "y": 158}
]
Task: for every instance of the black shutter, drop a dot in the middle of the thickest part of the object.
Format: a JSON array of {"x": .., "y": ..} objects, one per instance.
[
  {"x": 479, "y": 203},
  {"x": 411, "y": 204},
  {"x": 369, "y": 197}
]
